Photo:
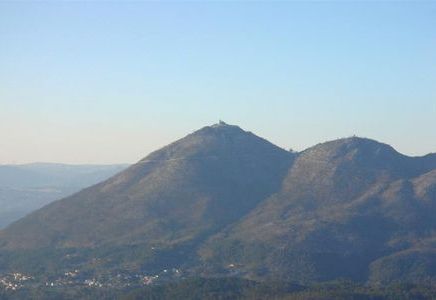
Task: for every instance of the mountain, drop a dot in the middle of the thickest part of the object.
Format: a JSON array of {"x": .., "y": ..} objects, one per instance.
[
  {"x": 349, "y": 208},
  {"x": 24, "y": 188},
  {"x": 224, "y": 202},
  {"x": 169, "y": 201}
]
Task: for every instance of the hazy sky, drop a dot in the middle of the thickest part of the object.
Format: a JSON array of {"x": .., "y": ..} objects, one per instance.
[{"x": 109, "y": 82}]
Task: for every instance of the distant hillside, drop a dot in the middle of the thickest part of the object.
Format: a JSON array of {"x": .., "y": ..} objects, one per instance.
[
  {"x": 225, "y": 202},
  {"x": 24, "y": 188}
]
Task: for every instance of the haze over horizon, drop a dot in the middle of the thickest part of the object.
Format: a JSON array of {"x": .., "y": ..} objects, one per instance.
[{"x": 111, "y": 82}]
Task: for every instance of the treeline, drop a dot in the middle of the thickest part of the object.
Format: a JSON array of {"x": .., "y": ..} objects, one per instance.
[{"x": 234, "y": 288}]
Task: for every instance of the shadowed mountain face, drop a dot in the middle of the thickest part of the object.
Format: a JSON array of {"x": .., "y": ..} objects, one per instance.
[{"x": 350, "y": 208}]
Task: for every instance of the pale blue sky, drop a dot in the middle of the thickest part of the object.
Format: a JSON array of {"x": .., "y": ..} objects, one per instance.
[{"x": 107, "y": 82}]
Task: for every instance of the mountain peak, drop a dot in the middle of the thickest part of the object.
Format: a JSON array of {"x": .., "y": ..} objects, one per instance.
[
  {"x": 216, "y": 140},
  {"x": 223, "y": 125},
  {"x": 354, "y": 145}
]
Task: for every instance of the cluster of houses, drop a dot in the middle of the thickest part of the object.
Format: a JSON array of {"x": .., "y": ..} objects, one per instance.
[{"x": 14, "y": 281}]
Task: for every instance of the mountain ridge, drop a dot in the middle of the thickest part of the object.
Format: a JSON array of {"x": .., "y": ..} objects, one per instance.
[{"x": 221, "y": 196}]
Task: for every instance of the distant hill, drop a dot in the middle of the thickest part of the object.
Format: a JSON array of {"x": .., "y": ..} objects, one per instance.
[
  {"x": 225, "y": 202},
  {"x": 27, "y": 187}
]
